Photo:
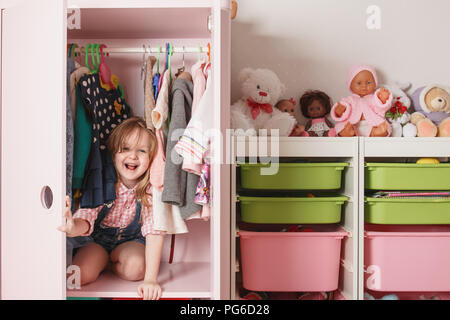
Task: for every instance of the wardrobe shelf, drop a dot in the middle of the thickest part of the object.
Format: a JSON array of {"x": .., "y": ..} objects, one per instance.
[
  {"x": 297, "y": 146},
  {"x": 174, "y": 279},
  {"x": 142, "y": 23},
  {"x": 139, "y": 4},
  {"x": 405, "y": 147}
]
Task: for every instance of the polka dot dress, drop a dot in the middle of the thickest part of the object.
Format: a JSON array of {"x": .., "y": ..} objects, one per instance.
[{"x": 107, "y": 110}]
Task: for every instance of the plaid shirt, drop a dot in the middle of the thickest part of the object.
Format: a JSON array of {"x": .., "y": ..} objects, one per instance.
[{"x": 121, "y": 214}]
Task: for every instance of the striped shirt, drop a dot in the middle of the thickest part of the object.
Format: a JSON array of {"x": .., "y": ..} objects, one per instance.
[{"x": 121, "y": 214}]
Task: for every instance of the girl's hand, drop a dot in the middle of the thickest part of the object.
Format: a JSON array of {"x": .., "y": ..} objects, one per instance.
[
  {"x": 149, "y": 290},
  {"x": 67, "y": 213}
]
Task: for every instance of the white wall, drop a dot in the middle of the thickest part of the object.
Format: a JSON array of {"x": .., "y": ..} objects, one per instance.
[{"x": 311, "y": 43}]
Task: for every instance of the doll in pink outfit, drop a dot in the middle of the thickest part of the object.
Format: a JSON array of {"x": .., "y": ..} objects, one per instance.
[{"x": 363, "y": 113}]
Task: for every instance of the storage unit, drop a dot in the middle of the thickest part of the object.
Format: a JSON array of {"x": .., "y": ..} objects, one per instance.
[
  {"x": 264, "y": 259},
  {"x": 407, "y": 211},
  {"x": 407, "y": 176},
  {"x": 33, "y": 157},
  {"x": 404, "y": 247},
  {"x": 291, "y": 261},
  {"x": 293, "y": 176},
  {"x": 406, "y": 258},
  {"x": 292, "y": 210}
]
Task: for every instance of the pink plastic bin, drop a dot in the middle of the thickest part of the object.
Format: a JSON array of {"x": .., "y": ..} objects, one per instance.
[
  {"x": 407, "y": 258},
  {"x": 291, "y": 261}
]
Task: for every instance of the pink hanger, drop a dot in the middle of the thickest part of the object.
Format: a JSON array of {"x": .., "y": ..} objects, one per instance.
[{"x": 104, "y": 71}]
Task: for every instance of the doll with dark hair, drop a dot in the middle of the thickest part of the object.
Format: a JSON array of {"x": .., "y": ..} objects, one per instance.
[{"x": 315, "y": 106}]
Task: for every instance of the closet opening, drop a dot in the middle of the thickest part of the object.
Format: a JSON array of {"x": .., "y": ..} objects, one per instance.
[{"x": 130, "y": 36}]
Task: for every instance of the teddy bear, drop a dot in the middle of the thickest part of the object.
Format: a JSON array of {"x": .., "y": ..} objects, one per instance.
[
  {"x": 432, "y": 106},
  {"x": 255, "y": 110},
  {"x": 398, "y": 115}
]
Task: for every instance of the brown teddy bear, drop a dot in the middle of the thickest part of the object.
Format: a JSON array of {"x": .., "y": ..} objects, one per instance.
[{"x": 432, "y": 106}]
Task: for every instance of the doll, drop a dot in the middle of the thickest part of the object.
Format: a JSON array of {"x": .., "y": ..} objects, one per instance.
[
  {"x": 363, "y": 113},
  {"x": 289, "y": 107},
  {"x": 315, "y": 106}
]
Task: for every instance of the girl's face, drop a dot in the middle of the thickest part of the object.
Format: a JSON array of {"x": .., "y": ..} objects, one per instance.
[
  {"x": 316, "y": 109},
  {"x": 134, "y": 158},
  {"x": 363, "y": 83}
]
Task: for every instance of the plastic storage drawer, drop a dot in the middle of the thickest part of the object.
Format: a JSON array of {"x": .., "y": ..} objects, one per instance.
[
  {"x": 293, "y": 176},
  {"x": 291, "y": 261},
  {"x": 407, "y": 258},
  {"x": 407, "y": 211},
  {"x": 290, "y": 210},
  {"x": 407, "y": 176}
]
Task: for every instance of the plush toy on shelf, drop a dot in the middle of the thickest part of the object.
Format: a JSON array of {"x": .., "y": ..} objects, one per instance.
[
  {"x": 261, "y": 89},
  {"x": 288, "y": 106},
  {"x": 363, "y": 113},
  {"x": 398, "y": 114},
  {"x": 316, "y": 106},
  {"x": 432, "y": 106}
]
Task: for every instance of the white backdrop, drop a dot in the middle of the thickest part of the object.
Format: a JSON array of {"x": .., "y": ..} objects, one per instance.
[{"x": 311, "y": 43}]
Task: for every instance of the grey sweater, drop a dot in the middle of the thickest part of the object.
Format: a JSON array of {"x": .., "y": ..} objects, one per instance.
[{"x": 179, "y": 185}]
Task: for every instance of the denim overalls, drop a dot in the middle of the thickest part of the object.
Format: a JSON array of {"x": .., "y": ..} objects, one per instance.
[{"x": 108, "y": 237}]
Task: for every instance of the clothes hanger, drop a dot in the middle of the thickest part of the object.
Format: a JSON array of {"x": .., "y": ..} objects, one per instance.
[
  {"x": 86, "y": 57},
  {"x": 104, "y": 70},
  {"x": 97, "y": 56},
  {"x": 209, "y": 52},
  {"x": 159, "y": 55},
  {"x": 144, "y": 63},
  {"x": 95, "y": 70},
  {"x": 182, "y": 68},
  {"x": 69, "y": 50},
  {"x": 169, "y": 60}
]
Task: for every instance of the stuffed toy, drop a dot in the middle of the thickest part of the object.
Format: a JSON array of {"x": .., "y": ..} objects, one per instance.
[
  {"x": 398, "y": 115},
  {"x": 432, "y": 106},
  {"x": 316, "y": 106},
  {"x": 261, "y": 89},
  {"x": 362, "y": 113},
  {"x": 288, "y": 106}
]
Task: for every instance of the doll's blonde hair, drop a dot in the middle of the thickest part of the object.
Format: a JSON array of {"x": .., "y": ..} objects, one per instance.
[{"x": 116, "y": 142}]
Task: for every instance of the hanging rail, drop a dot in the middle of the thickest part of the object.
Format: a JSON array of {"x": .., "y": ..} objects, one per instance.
[{"x": 149, "y": 50}]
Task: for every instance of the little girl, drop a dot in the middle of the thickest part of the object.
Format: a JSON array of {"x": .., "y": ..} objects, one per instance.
[{"x": 123, "y": 230}]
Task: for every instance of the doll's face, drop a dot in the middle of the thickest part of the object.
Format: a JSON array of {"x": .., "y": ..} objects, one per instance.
[
  {"x": 288, "y": 107},
  {"x": 363, "y": 83},
  {"x": 316, "y": 109}
]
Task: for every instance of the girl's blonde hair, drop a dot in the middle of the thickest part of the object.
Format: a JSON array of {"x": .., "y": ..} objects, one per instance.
[{"x": 116, "y": 142}]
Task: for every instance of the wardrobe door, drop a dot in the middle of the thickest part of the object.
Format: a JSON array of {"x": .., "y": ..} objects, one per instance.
[
  {"x": 220, "y": 168},
  {"x": 33, "y": 149}
]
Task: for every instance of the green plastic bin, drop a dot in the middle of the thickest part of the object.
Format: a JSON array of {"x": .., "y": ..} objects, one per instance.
[
  {"x": 293, "y": 176},
  {"x": 407, "y": 211},
  {"x": 291, "y": 210},
  {"x": 407, "y": 176}
]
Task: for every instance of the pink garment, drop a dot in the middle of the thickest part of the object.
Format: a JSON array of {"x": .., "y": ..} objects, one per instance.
[
  {"x": 354, "y": 70},
  {"x": 199, "y": 80},
  {"x": 370, "y": 105},
  {"x": 159, "y": 162}
]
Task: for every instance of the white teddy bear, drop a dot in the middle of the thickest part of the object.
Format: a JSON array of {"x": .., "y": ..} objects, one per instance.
[
  {"x": 261, "y": 89},
  {"x": 401, "y": 125}
]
